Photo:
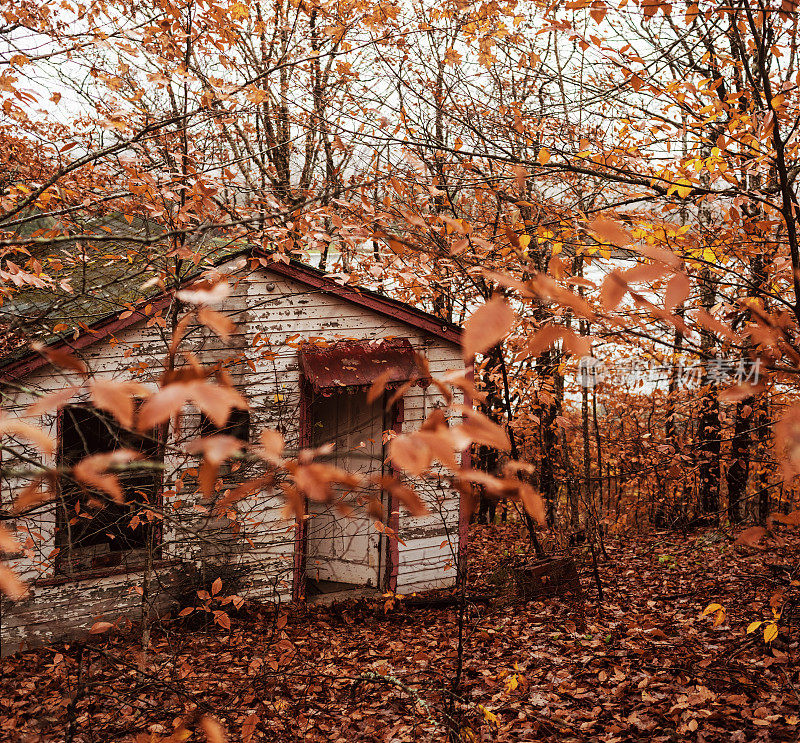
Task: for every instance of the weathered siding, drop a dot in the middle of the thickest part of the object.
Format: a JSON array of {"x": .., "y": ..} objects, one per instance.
[{"x": 273, "y": 316}]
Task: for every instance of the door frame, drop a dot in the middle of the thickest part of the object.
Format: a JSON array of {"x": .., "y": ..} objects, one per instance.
[{"x": 388, "y": 548}]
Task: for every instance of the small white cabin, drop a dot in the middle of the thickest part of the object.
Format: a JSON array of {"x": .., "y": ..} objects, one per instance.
[{"x": 304, "y": 352}]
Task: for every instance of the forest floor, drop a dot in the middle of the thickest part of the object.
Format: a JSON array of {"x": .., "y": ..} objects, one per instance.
[{"x": 643, "y": 664}]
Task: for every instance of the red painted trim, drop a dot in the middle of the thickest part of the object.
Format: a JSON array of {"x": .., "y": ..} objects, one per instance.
[
  {"x": 465, "y": 503},
  {"x": 405, "y": 313},
  {"x": 393, "y": 551},
  {"x": 301, "y": 525},
  {"x": 98, "y": 331}
]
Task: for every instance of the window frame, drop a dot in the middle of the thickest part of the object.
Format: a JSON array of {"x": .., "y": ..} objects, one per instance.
[{"x": 67, "y": 562}]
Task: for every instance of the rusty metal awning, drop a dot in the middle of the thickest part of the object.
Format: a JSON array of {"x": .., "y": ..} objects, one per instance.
[{"x": 358, "y": 363}]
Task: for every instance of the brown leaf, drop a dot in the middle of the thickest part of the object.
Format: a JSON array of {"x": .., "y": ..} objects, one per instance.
[
  {"x": 7, "y": 542},
  {"x": 789, "y": 519},
  {"x": 440, "y": 444},
  {"x": 533, "y": 503},
  {"x": 93, "y": 471},
  {"x": 399, "y": 392},
  {"x": 491, "y": 483},
  {"x": 61, "y": 358},
  {"x": 378, "y": 386},
  {"x": 613, "y": 290},
  {"x": 179, "y": 332},
  {"x": 34, "y": 434},
  {"x": 546, "y": 336},
  {"x": 740, "y": 392},
  {"x": 221, "y": 324},
  {"x": 556, "y": 268},
  {"x": 216, "y": 401},
  {"x": 10, "y": 585},
  {"x": 51, "y": 401},
  {"x": 510, "y": 283},
  {"x": 272, "y": 445},
  {"x": 244, "y": 490},
  {"x": 214, "y": 731},
  {"x": 666, "y": 257},
  {"x": 205, "y": 292},
  {"x": 644, "y": 273},
  {"x": 249, "y": 727},
  {"x": 114, "y": 397},
  {"x": 677, "y": 290},
  {"x": 709, "y": 322},
  {"x": 207, "y": 478},
  {"x": 316, "y": 480},
  {"x": 457, "y": 378},
  {"x": 215, "y": 449},
  {"x": 546, "y": 288},
  {"x": 32, "y": 494},
  {"x": 752, "y": 536},
  {"x": 787, "y": 439},
  {"x": 481, "y": 430},
  {"x": 610, "y": 231},
  {"x": 434, "y": 421},
  {"x": 408, "y": 454},
  {"x": 406, "y": 495},
  {"x": 163, "y": 405},
  {"x": 486, "y": 327},
  {"x": 99, "y": 627}
]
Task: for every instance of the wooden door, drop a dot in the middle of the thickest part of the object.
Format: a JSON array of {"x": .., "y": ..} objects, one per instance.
[{"x": 347, "y": 549}]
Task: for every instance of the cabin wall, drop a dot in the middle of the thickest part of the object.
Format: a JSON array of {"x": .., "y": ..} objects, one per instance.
[{"x": 252, "y": 548}]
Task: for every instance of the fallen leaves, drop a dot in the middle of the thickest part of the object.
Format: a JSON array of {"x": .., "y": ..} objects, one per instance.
[
  {"x": 98, "y": 628},
  {"x": 644, "y": 663}
]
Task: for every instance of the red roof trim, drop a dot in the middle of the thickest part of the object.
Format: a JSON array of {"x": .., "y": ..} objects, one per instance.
[
  {"x": 98, "y": 331},
  {"x": 391, "y": 308}
]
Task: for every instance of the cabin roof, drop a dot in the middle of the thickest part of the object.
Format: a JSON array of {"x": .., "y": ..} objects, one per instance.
[{"x": 100, "y": 324}]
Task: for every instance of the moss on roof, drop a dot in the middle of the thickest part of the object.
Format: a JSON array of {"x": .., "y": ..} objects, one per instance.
[{"x": 91, "y": 280}]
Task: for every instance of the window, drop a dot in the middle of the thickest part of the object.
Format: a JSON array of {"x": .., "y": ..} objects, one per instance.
[
  {"x": 93, "y": 531},
  {"x": 238, "y": 425}
]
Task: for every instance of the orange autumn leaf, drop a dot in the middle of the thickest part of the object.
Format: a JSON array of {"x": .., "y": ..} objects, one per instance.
[
  {"x": 378, "y": 386},
  {"x": 533, "y": 503},
  {"x": 486, "y": 327},
  {"x": 93, "y": 471},
  {"x": 677, "y": 290},
  {"x": 10, "y": 584},
  {"x": 610, "y": 231},
  {"x": 114, "y": 397},
  {"x": 222, "y": 325},
  {"x": 29, "y": 432}
]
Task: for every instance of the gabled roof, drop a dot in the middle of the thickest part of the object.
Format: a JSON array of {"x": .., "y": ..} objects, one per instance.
[
  {"x": 368, "y": 299},
  {"x": 23, "y": 362}
]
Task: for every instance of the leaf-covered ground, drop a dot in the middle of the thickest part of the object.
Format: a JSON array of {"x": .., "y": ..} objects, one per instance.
[{"x": 642, "y": 664}]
